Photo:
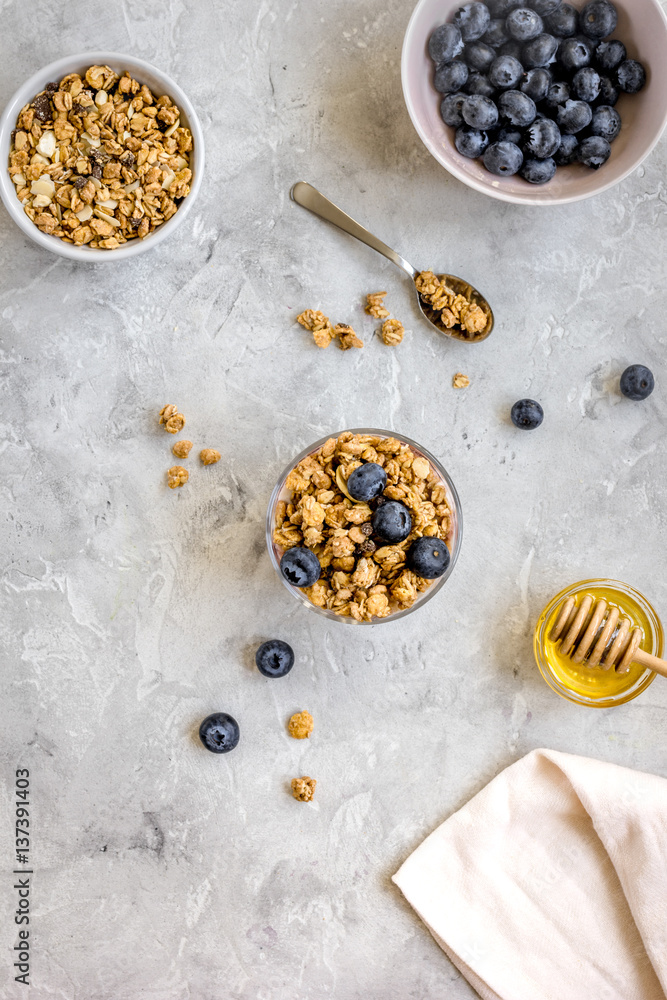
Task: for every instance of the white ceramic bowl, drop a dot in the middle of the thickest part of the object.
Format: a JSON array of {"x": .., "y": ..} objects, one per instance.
[
  {"x": 156, "y": 81},
  {"x": 642, "y": 26}
]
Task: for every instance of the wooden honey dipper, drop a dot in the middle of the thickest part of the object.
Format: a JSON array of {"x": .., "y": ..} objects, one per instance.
[{"x": 585, "y": 635}]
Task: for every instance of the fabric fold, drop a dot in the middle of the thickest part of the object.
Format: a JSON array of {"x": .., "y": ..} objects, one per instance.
[{"x": 551, "y": 882}]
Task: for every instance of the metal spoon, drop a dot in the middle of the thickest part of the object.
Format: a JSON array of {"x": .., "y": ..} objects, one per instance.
[{"x": 309, "y": 197}]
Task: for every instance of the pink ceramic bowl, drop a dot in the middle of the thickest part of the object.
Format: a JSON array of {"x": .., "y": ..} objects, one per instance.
[{"x": 642, "y": 26}]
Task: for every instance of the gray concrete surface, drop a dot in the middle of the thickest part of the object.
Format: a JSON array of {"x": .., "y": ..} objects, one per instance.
[{"x": 130, "y": 611}]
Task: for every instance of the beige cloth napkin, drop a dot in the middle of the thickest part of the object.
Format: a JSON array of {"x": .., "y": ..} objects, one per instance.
[{"x": 551, "y": 883}]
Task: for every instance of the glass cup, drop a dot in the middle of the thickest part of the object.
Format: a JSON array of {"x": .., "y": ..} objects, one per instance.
[
  {"x": 453, "y": 539},
  {"x": 594, "y": 686}
]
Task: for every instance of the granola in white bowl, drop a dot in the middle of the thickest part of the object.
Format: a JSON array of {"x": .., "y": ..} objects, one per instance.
[{"x": 98, "y": 159}]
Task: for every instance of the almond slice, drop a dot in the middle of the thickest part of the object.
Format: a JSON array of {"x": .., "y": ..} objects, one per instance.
[
  {"x": 47, "y": 144},
  {"x": 170, "y": 131},
  {"x": 107, "y": 218},
  {"x": 341, "y": 483},
  {"x": 85, "y": 213},
  {"x": 44, "y": 186}
]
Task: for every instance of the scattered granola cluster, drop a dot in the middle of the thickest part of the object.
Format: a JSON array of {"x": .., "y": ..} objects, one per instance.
[
  {"x": 392, "y": 330},
  {"x": 300, "y": 726},
  {"x": 303, "y": 789},
  {"x": 173, "y": 422},
  {"x": 100, "y": 160},
  {"x": 460, "y": 381},
  {"x": 323, "y": 332},
  {"x": 451, "y": 309},
  {"x": 361, "y": 578}
]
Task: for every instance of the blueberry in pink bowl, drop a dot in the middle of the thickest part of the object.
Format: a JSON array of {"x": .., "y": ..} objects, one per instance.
[{"x": 518, "y": 65}]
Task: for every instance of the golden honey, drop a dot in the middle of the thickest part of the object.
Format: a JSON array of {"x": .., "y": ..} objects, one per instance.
[{"x": 595, "y": 686}]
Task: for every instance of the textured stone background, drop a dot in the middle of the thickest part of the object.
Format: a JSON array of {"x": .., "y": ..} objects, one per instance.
[{"x": 129, "y": 611}]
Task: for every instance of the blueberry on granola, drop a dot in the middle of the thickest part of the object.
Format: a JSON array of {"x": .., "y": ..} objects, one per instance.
[
  {"x": 300, "y": 566},
  {"x": 428, "y": 557},
  {"x": 392, "y": 521},
  {"x": 367, "y": 481},
  {"x": 274, "y": 658},
  {"x": 219, "y": 732},
  {"x": 637, "y": 382}
]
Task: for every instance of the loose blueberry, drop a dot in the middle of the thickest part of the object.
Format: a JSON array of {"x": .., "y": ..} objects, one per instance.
[
  {"x": 274, "y": 658},
  {"x": 367, "y": 481},
  {"x": 545, "y": 7},
  {"x": 609, "y": 55},
  {"x": 524, "y": 24},
  {"x": 513, "y": 135},
  {"x": 503, "y": 159},
  {"x": 631, "y": 76},
  {"x": 573, "y": 54},
  {"x": 542, "y": 139},
  {"x": 428, "y": 557},
  {"x": 536, "y": 83},
  {"x": 572, "y": 116},
  {"x": 594, "y": 152},
  {"x": 450, "y": 77},
  {"x": 470, "y": 142},
  {"x": 392, "y": 521},
  {"x": 558, "y": 94},
  {"x": 505, "y": 72},
  {"x": 637, "y": 382},
  {"x": 472, "y": 20},
  {"x": 606, "y": 122},
  {"x": 300, "y": 566},
  {"x": 541, "y": 51},
  {"x": 608, "y": 92},
  {"x": 478, "y": 56},
  {"x": 567, "y": 151},
  {"x": 586, "y": 84},
  {"x": 511, "y": 48},
  {"x": 219, "y": 732},
  {"x": 479, "y": 84},
  {"x": 516, "y": 108},
  {"x": 563, "y": 22},
  {"x": 598, "y": 19},
  {"x": 538, "y": 171},
  {"x": 479, "y": 112},
  {"x": 445, "y": 44},
  {"x": 496, "y": 34},
  {"x": 527, "y": 414},
  {"x": 450, "y": 109}
]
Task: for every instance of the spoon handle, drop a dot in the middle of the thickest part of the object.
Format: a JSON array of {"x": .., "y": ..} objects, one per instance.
[{"x": 309, "y": 197}]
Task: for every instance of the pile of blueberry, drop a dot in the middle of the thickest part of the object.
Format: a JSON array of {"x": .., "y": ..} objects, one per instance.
[{"x": 530, "y": 85}]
